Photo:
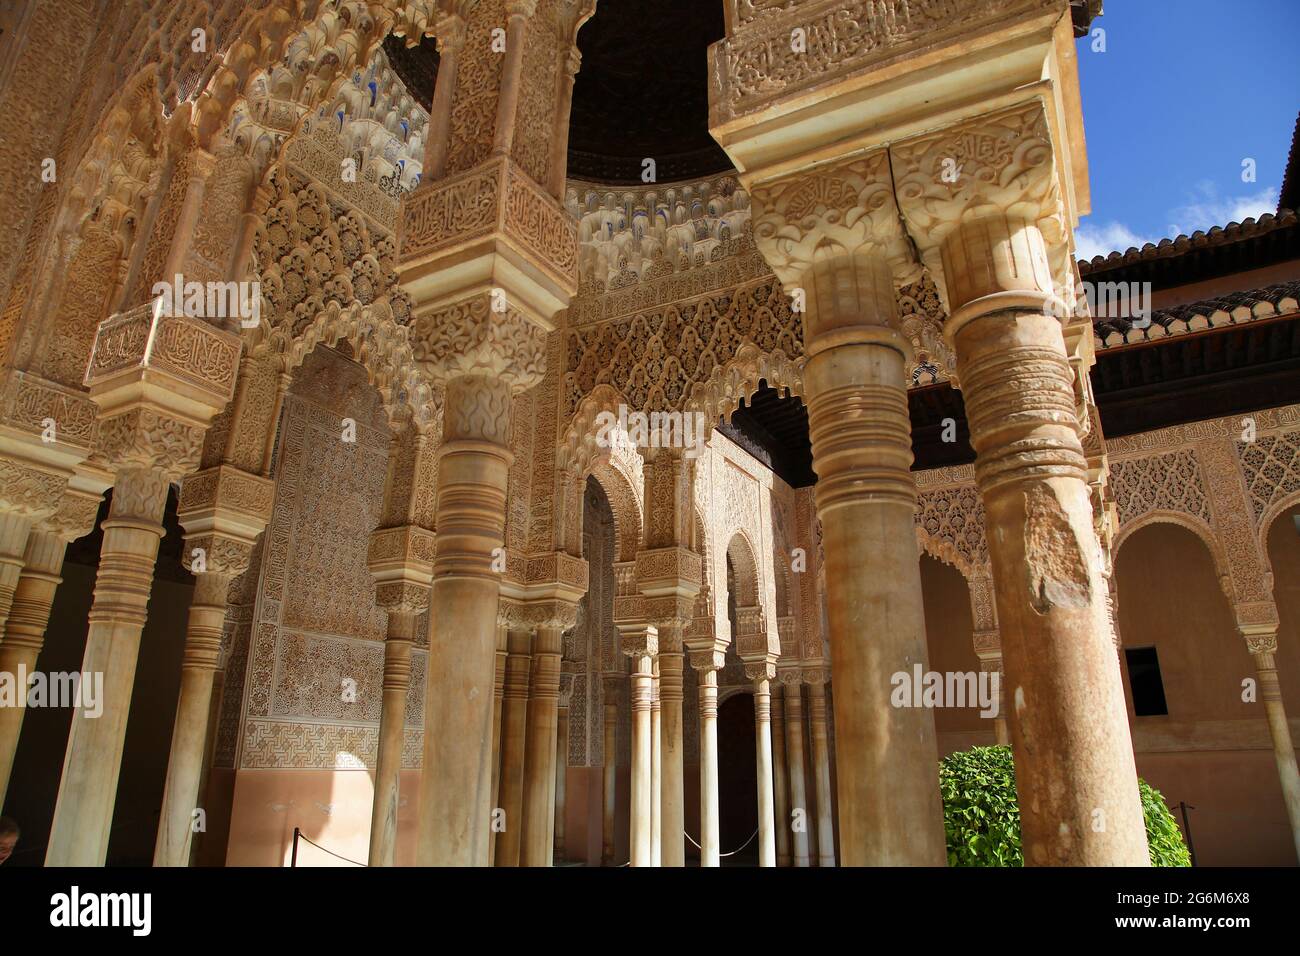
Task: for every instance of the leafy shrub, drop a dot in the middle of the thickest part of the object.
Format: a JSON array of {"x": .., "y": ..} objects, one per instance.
[{"x": 981, "y": 817}]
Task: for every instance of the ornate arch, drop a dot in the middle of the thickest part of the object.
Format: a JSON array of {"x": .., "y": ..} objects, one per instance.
[
  {"x": 740, "y": 550},
  {"x": 1197, "y": 527},
  {"x": 740, "y": 376},
  {"x": 625, "y": 504},
  {"x": 1270, "y": 515},
  {"x": 378, "y": 344}
]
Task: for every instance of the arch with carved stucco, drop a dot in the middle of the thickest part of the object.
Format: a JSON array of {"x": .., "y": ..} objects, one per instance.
[{"x": 734, "y": 381}]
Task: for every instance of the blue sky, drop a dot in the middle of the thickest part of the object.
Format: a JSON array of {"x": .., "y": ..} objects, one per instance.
[{"x": 1183, "y": 93}]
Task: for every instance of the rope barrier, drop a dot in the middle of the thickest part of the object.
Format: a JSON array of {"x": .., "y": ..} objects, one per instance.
[
  {"x": 302, "y": 836},
  {"x": 732, "y": 853}
]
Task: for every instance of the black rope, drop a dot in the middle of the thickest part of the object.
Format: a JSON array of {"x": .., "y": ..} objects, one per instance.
[
  {"x": 733, "y": 852},
  {"x": 303, "y": 836}
]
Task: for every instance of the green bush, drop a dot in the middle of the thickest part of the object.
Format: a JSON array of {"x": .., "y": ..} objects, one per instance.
[{"x": 982, "y": 819}]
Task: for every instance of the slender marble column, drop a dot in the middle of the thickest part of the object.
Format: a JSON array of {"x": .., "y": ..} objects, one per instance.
[
  {"x": 1062, "y": 671},
  {"x": 498, "y": 692},
  {"x": 517, "y": 14},
  {"x": 856, "y": 383},
  {"x": 451, "y": 35},
  {"x": 473, "y": 468},
  {"x": 24, "y": 635},
  {"x": 392, "y": 726},
  {"x": 642, "y": 743},
  {"x": 763, "y": 743},
  {"x": 710, "y": 829},
  {"x": 1263, "y": 647},
  {"x": 539, "y": 761},
  {"x": 673, "y": 812},
  {"x": 780, "y": 777},
  {"x": 794, "y": 755},
  {"x": 190, "y": 732},
  {"x": 14, "y": 529},
  {"x": 560, "y": 139},
  {"x": 83, "y": 812},
  {"x": 821, "y": 773},
  {"x": 561, "y": 782},
  {"x": 610, "y": 776},
  {"x": 656, "y": 772},
  {"x": 514, "y": 730}
]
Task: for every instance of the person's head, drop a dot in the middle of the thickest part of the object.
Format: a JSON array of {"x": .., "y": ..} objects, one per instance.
[{"x": 9, "y": 834}]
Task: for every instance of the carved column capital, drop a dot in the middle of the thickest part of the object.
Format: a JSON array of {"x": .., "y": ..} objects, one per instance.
[
  {"x": 982, "y": 200},
  {"x": 471, "y": 338},
  {"x": 400, "y": 560},
  {"x": 836, "y": 209}
]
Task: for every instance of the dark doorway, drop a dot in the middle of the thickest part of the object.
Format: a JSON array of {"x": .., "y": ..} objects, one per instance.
[{"x": 737, "y": 780}]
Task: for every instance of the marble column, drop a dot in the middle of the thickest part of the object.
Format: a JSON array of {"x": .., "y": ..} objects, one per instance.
[
  {"x": 763, "y": 745},
  {"x": 24, "y": 635},
  {"x": 1060, "y": 660},
  {"x": 498, "y": 694},
  {"x": 514, "y": 730},
  {"x": 451, "y": 35},
  {"x": 609, "y": 777},
  {"x": 193, "y": 707},
  {"x": 392, "y": 730},
  {"x": 656, "y": 772},
  {"x": 14, "y": 529},
  {"x": 561, "y": 781},
  {"x": 801, "y": 818},
  {"x": 1001, "y": 245},
  {"x": 821, "y": 772},
  {"x": 641, "y": 832},
  {"x": 673, "y": 812},
  {"x": 83, "y": 812},
  {"x": 1263, "y": 646},
  {"x": 473, "y": 466},
  {"x": 855, "y": 383},
  {"x": 539, "y": 760},
  {"x": 706, "y": 667},
  {"x": 154, "y": 407},
  {"x": 780, "y": 776}
]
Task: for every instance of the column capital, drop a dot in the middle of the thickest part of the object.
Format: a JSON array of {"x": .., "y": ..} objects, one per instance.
[
  {"x": 469, "y": 338},
  {"x": 834, "y": 209},
  {"x": 400, "y": 560},
  {"x": 223, "y": 510},
  {"x": 976, "y": 187},
  {"x": 450, "y": 33},
  {"x": 533, "y": 615}
]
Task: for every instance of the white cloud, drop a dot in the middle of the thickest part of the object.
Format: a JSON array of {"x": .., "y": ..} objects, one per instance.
[
  {"x": 1207, "y": 209},
  {"x": 1100, "y": 240}
]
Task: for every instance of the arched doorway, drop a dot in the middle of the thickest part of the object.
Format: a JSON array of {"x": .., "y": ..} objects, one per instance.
[{"x": 737, "y": 780}]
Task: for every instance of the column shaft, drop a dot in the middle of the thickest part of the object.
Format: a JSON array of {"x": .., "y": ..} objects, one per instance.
[
  {"x": 794, "y": 755},
  {"x": 539, "y": 760},
  {"x": 1075, "y": 771},
  {"x": 514, "y": 731},
  {"x": 780, "y": 777},
  {"x": 672, "y": 819},
  {"x": 609, "y": 778},
  {"x": 498, "y": 692},
  {"x": 1280, "y": 731},
  {"x": 24, "y": 635},
  {"x": 392, "y": 727},
  {"x": 193, "y": 708},
  {"x": 561, "y": 783},
  {"x": 14, "y": 529},
  {"x": 866, "y": 502},
  {"x": 473, "y": 467},
  {"x": 83, "y": 812},
  {"x": 656, "y": 772},
  {"x": 640, "y": 832},
  {"x": 821, "y": 774},
  {"x": 710, "y": 828},
  {"x": 766, "y": 797}
]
